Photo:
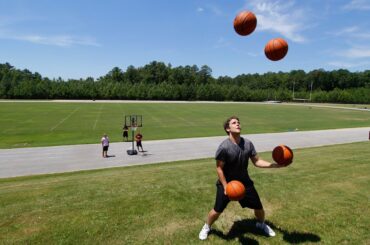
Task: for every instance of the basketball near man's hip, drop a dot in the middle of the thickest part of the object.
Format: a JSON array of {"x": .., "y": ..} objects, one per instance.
[{"x": 235, "y": 190}]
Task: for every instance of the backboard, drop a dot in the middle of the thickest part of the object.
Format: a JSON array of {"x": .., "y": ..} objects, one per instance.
[{"x": 134, "y": 121}]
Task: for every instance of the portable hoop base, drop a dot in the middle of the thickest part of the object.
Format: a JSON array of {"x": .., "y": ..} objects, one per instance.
[{"x": 132, "y": 152}]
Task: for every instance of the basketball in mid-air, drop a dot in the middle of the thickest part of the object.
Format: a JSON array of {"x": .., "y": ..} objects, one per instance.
[
  {"x": 235, "y": 190},
  {"x": 276, "y": 49},
  {"x": 245, "y": 23},
  {"x": 282, "y": 155}
]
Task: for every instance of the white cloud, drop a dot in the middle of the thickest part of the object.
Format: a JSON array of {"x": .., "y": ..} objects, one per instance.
[
  {"x": 341, "y": 64},
  {"x": 221, "y": 43},
  {"x": 59, "y": 40},
  {"x": 356, "y": 52},
  {"x": 347, "y": 30},
  {"x": 282, "y": 17},
  {"x": 224, "y": 43},
  {"x": 252, "y": 54},
  {"x": 354, "y": 32},
  {"x": 363, "y": 35},
  {"x": 357, "y": 5},
  {"x": 7, "y": 31},
  {"x": 347, "y": 65},
  {"x": 56, "y": 40},
  {"x": 214, "y": 9}
]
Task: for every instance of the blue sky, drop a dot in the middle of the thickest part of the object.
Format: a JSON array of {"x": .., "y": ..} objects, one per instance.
[{"x": 82, "y": 38}]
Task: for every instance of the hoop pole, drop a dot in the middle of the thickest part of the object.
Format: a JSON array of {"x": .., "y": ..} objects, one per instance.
[{"x": 133, "y": 140}]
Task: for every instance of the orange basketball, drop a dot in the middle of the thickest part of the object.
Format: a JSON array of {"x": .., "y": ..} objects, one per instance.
[
  {"x": 245, "y": 23},
  {"x": 282, "y": 155},
  {"x": 235, "y": 190},
  {"x": 276, "y": 49}
]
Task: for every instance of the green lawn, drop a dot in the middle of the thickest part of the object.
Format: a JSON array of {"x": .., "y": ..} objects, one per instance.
[
  {"x": 323, "y": 198},
  {"x": 28, "y": 124}
]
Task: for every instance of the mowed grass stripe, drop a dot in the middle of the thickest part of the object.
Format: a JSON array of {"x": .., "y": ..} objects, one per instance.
[
  {"x": 28, "y": 124},
  {"x": 98, "y": 116},
  {"x": 62, "y": 121},
  {"x": 321, "y": 198}
]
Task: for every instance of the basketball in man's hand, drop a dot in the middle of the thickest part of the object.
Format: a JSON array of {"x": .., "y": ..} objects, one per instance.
[
  {"x": 235, "y": 190},
  {"x": 282, "y": 155}
]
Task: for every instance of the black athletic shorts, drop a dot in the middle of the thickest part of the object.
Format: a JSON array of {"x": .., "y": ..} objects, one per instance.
[
  {"x": 105, "y": 148},
  {"x": 251, "y": 199},
  {"x": 125, "y": 134},
  {"x": 138, "y": 143}
]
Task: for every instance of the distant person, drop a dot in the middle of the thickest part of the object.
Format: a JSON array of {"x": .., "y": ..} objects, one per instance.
[
  {"x": 125, "y": 132},
  {"x": 138, "y": 138},
  {"x": 105, "y": 145},
  {"x": 232, "y": 158}
]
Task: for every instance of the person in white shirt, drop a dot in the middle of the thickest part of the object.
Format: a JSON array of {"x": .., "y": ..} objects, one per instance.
[{"x": 105, "y": 144}]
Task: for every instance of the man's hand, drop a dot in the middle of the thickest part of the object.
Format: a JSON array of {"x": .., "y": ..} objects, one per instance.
[{"x": 258, "y": 162}]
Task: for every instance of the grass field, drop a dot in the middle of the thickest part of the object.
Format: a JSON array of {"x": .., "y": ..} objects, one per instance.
[
  {"x": 323, "y": 198},
  {"x": 44, "y": 124}
]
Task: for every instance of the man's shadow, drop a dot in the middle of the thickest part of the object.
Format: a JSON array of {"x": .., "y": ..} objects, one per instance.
[{"x": 242, "y": 227}]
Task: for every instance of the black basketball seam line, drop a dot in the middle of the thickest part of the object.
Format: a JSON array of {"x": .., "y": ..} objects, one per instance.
[
  {"x": 234, "y": 189},
  {"x": 243, "y": 16},
  {"x": 267, "y": 50},
  {"x": 271, "y": 52},
  {"x": 283, "y": 44},
  {"x": 275, "y": 50}
]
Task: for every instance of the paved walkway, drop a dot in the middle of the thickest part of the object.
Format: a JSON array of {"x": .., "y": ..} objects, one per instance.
[{"x": 57, "y": 159}]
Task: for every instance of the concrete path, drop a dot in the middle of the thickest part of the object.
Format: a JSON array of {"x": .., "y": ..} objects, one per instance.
[{"x": 57, "y": 159}]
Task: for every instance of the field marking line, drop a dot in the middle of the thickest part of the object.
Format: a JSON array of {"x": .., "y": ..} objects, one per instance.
[
  {"x": 188, "y": 122},
  {"x": 98, "y": 116},
  {"x": 155, "y": 119},
  {"x": 61, "y": 121},
  {"x": 325, "y": 106}
]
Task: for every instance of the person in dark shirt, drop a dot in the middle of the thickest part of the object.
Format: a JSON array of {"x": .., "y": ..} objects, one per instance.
[
  {"x": 138, "y": 138},
  {"x": 232, "y": 164},
  {"x": 125, "y": 132}
]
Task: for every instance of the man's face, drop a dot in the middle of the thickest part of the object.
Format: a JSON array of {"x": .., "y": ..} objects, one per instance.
[{"x": 234, "y": 126}]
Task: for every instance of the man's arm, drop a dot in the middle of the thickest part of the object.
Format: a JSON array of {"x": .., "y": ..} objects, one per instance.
[
  {"x": 258, "y": 162},
  {"x": 220, "y": 172}
]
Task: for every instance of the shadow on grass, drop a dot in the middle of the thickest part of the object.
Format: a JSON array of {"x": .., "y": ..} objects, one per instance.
[
  {"x": 242, "y": 227},
  {"x": 296, "y": 237}
]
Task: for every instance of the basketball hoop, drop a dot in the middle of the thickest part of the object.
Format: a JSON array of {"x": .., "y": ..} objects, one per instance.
[{"x": 134, "y": 122}]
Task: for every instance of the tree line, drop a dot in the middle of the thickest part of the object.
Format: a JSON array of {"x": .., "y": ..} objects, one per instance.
[{"x": 160, "y": 81}]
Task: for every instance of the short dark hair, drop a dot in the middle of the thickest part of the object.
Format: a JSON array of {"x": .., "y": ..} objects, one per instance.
[{"x": 227, "y": 123}]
